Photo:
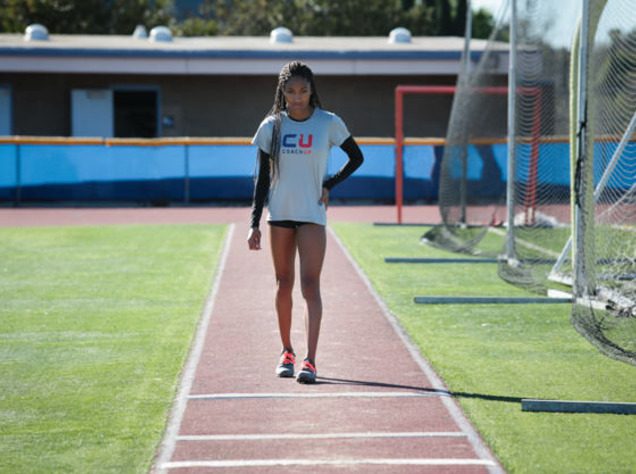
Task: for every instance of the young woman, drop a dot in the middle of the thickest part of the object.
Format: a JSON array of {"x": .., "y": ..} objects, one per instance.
[{"x": 293, "y": 148}]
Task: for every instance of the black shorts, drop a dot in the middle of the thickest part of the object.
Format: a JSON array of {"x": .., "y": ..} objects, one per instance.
[{"x": 288, "y": 224}]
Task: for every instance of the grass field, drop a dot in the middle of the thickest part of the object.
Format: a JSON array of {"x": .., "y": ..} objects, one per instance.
[
  {"x": 97, "y": 322},
  {"x": 491, "y": 356},
  {"x": 96, "y": 325}
]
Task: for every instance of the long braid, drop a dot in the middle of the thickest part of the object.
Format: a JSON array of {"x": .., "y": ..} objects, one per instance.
[{"x": 289, "y": 70}]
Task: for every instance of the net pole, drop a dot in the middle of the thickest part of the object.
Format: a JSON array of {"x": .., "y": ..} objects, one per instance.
[
  {"x": 574, "y": 87},
  {"x": 583, "y": 285},
  {"x": 468, "y": 33},
  {"x": 512, "y": 105},
  {"x": 463, "y": 191}
]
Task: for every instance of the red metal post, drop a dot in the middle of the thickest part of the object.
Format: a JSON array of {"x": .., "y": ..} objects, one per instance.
[
  {"x": 399, "y": 149},
  {"x": 399, "y": 135},
  {"x": 400, "y": 91},
  {"x": 533, "y": 171}
]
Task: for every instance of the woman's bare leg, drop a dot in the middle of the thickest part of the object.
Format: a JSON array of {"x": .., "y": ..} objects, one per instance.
[
  {"x": 312, "y": 242},
  {"x": 283, "y": 245}
]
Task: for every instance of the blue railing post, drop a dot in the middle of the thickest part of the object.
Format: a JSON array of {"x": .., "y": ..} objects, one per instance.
[
  {"x": 186, "y": 178},
  {"x": 18, "y": 175}
]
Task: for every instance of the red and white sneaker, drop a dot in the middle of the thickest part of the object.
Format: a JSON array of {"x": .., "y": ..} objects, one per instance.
[
  {"x": 286, "y": 364},
  {"x": 307, "y": 373}
]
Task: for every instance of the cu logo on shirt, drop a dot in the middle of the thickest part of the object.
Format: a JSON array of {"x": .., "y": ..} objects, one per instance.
[{"x": 293, "y": 140}]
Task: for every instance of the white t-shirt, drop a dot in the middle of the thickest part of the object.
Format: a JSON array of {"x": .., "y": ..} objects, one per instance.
[{"x": 304, "y": 151}]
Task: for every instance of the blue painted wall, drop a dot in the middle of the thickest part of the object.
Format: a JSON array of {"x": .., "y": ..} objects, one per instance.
[{"x": 213, "y": 173}]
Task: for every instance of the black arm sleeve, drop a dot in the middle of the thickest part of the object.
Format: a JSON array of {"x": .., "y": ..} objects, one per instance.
[
  {"x": 351, "y": 148},
  {"x": 261, "y": 188}
]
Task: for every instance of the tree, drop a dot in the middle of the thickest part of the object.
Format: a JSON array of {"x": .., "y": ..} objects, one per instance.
[
  {"x": 84, "y": 16},
  {"x": 459, "y": 19},
  {"x": 483, "y": 24},
  {"x": 345, "y": 18},
  {"x": 247, "y": 17},
  {"x": 341, "y": 18}
]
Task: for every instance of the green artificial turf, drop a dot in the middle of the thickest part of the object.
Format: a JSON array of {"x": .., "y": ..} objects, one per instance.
[
  {"x": 96, "y": 323},
  {"x": 492, "y": 356}
]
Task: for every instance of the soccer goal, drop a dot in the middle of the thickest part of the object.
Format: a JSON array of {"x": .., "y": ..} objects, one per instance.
[
  {"x": 603, "y": 244},
  {"x": 544, "y": 177}
]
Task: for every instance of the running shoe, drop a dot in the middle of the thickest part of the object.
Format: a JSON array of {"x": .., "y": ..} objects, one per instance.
[
  {"x": 307, "y": 373},
  {"x": 285, "y": 366}
]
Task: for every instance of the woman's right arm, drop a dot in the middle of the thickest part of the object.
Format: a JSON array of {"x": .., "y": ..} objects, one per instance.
[{"x": 261, "y": 189}]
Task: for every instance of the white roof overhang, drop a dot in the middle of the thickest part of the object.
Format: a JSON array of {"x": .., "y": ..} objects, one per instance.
[{"x": 234, "y": 55}]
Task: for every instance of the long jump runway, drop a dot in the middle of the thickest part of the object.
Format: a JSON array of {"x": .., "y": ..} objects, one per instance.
[{"x": 376, "y": 406}]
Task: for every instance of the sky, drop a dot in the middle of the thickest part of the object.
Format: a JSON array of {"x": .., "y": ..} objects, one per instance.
[
  {"x": 618, "y": 14},
  {"x": 566, "y": 10},
  {"x": 491, "y": 5}
]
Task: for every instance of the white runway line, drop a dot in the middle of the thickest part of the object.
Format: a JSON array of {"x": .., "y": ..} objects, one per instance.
[
  {"x": 328, "y": 462},
  {"x": 324, "y": 436},
  {"x": 169, "y": 440},
  {"x": 239, "y": 396},
  {"x": 480, "y": 448}
]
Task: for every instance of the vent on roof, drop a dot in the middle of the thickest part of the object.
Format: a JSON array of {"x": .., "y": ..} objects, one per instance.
[
  {"x": 36, "y": 32},
  {"x": 281, "y": 35},
  {"x": 400, "y": 35},
  {"x": 140, "y": 32},
  {"x": 161, "y": 33}
]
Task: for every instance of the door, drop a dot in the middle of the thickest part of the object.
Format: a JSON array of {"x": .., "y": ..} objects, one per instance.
[
  {"x": 136, "y": 113},
  {"x": 92, "y": 113},
  {"x": 5, "y": 111}
]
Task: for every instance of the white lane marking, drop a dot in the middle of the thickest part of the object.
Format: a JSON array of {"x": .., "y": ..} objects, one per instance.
[
  {"x": 169, "y": 441},
  {"x": 328, "y": 462},
  {"x": 323, "y": 436},
  {"x": 458, "y": 416},
  {"x": 234, "y": 396}
]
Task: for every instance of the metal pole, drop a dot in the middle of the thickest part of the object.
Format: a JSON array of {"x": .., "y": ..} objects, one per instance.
[
  {"x": 18, "y": 175},
  {"x": 582, "y": 284},
  {"x": 399, "y": 149},
  {"x": 511, "y": 155},
  {"x": 467, "y": 37},
  {"x": 465, "y": 68},
  {"x": 186, "y": 180},
  {"x": 400, "y": 92}
]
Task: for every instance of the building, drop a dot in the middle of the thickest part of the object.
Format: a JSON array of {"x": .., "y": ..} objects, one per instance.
[
  {"x": 72, "y": 108},
  {"x": 156, "y": 85}
]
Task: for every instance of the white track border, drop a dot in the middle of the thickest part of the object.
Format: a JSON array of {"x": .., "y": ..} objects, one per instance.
[
  {"x": 323, "y": 436},
  {"x": 451, "y": 405},
  {"x": 170, "y": 437},
  {"x": 329, "y": 462}
]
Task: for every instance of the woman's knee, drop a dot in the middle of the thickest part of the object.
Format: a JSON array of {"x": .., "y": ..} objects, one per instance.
[
  {"x": 284, "y": 283},
  {"x": 310, "y": 286}
]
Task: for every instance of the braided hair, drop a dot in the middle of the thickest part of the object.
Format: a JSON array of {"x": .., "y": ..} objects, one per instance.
[{"x": 289, "y": 70}]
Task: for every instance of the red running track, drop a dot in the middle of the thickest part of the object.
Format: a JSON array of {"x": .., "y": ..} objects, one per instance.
[
  {"x": 46, "y": 216},
  {"x": 376, "y": 407}
]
